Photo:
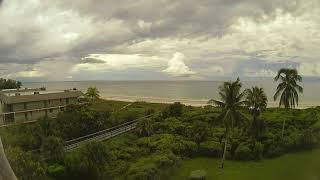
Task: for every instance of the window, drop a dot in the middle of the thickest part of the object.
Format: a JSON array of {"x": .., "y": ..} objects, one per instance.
[
  {"x": 25, "y": 105},
  {"x": 10, "y": 108},
  {"x": 50, "y": 110},
  {"x": 26, "y": 116},
  {"x": 61, "y": 108}
]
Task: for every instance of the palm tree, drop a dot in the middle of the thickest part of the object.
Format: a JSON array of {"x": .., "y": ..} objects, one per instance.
[
  {"x": 145, "y": 127},
  {"x": 288, "y": 88},
  {"x": 256, "y": 101},
  {"x": 231, "y": 103},
  {"x": 200, "y": 132},
  {"x": 92, "y": 93}
]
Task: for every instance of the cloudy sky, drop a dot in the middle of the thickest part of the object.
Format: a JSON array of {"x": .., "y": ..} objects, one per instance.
[{"x": 157, "y": 39}]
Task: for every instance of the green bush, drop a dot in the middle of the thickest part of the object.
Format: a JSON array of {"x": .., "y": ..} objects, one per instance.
[
  {"x": 211, "y": 149},
  {"x": 24, "y": 164},
  {"x": 274, "y": 150},
  {"x": 52, "y": 149},
  {"x": 243, "y": 152},
  {"x": 149, "y": 168},
  {"x": 257, "y": 151},
  {"x": 308, "y": 139},
  {"x": 168, "y": 142},
  {"x": 56, "y": 171},
  {"x": 87, "y": 163},
  {"x": 173, "y": 110},
  {"x": 147, "y": 171}
]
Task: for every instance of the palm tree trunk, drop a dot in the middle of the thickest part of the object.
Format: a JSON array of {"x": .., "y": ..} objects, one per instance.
[
  {"x": 283, "y": 125},
  {"x": 224, "y": 151}
]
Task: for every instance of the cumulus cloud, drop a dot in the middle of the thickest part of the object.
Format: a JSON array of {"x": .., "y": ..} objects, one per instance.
[
  {"x": 177, "y": 67},
  {"x": 216, "y": 70},
  {"x": 117, "y": 62},
  {"x": 259, "y": 73},
  {"x": 29, "y": 74},
  {"x": 218, "y": 37},
  {"x": 309, "y": 69}
]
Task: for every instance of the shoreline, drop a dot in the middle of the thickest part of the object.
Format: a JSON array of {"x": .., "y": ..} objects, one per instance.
[{"x": 185, "y": 101}]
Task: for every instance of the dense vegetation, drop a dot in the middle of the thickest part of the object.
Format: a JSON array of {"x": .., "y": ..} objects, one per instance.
[
  {"x": 158, "y": 144},
  {"x": 9, "y": 84},
  {"x": 239, "y": 128}
]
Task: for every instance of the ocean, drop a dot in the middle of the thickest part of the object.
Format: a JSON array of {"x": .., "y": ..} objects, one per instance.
[{"x": 188, "y": 92}]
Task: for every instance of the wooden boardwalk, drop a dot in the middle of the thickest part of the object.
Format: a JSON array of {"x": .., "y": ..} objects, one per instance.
[{"x": 100, "y": 135}]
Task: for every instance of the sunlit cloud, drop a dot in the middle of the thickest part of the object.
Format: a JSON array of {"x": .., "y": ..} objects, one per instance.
[
  {"x": 110, "y": 62},
  {"x": 177, "y": 67},
  {"x": 214, "y": 38}
]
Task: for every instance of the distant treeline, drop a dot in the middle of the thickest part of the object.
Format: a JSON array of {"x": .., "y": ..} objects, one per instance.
[{"x": 9, "y": 84}]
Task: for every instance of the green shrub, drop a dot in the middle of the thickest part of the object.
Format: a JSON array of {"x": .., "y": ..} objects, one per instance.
[
  {"x": 211, "y": 149},
  {"x": 292, "y": 141},
  {"x": 150, "y": 168},
  {"x": 173, "y": 110},
  {"x": 257, "y": 151},
  {"x": 24, "y": 164},
  {"x": 243, "y": 152},
  {"x": 168, "y": 142},
  {"x": 274, "y": 150},
  {"x": 147, "y": 171},
  {"x": 56, "y": 171},
  {"x": 52, "y": 148},
  {"x": 308, "y": 139},
  {"x": 173, "y": 125}
]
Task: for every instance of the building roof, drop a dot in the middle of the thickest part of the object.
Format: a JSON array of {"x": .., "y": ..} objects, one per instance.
[{"x": 39, "y": 97}]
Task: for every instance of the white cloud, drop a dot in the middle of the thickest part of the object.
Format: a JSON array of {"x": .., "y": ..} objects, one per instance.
[
  {"x": 309, "y": 69},
  {"x": 36, "y": 29},
  {"x": 144, "y": 25},
  {"x": 259, "y": 73},
  {"x": 37, "y": 37},
  {"x": 177, "y": 67},
  {"x": 29, "y": 74},
  {"x": 216, "y": 70},
  {"x": 119, "y": 62}
]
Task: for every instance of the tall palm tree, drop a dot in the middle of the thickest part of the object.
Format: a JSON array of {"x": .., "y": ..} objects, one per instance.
[
  {"x": 288, "y": 89},
  {"x": 92, "y": 93},
  {"x": 231, "y": 103},
  {"x": 145, "y": 127},
  {"x": 256, "y": 101}
]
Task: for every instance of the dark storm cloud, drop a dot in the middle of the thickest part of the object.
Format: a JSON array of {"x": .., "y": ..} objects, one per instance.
[
  {"x": 182, "y": 17},
  {"x": 57, "y": 30},
  {"x": 187, "y": 18},
  {"x": 167, "y": 18},
  {"x": 93, "y": 61}
]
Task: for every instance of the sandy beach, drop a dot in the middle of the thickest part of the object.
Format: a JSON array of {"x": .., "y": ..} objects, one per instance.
[{"x": 186, "y": 101}]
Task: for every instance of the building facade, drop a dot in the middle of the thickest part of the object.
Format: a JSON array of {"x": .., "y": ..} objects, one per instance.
[{"x": 31, "y": 104}]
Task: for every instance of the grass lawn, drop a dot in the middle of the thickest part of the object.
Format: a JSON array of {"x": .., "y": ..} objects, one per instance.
[{"x": 297, "y": 166}]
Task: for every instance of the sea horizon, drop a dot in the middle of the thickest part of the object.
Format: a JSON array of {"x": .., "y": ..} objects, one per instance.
[{"x": 189, "y": 92}]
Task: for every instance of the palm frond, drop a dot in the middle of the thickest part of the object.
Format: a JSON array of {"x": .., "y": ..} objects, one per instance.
[{"x": 216, "y": 102}]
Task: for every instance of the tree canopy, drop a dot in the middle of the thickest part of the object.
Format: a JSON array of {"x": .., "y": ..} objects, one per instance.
[{"x": 9, "y": 84}]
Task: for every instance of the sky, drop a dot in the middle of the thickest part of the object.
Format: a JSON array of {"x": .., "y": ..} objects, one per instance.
[{"x": 62, "y": 40}]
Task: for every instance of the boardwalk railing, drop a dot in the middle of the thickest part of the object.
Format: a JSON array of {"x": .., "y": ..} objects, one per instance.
[
  {"x": 99, "y": 136},
  {"x": 102, "y": 135}
]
